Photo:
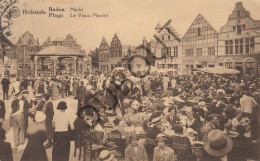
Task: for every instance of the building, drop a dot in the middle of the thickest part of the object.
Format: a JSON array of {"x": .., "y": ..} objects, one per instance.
[
  {"x": 171, "y": 48},
  {"x": 104, "y": 56},
  {"x": 239, "y": 42},
  {"x": 199, "y": 46},
  {"x": 141, "y": 56},
  {"x": 109, "y": 57},
  {"x": 25, "y": 47},
  {"x": 7, "y": 57},
  {"x": 65, "y": 63}
]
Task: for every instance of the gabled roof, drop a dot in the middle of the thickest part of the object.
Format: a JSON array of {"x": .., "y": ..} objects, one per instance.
[
  {"x": 239, "y": 9},
  {"x": 103, "y": 44},
  {"x": 200, "y": 17}
]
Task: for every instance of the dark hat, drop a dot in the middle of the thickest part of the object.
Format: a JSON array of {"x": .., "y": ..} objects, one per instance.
[
  {"x": 217, "y": 143},
  {"x": 25, "y": 92},
  {"x": 19, "y": 93}
]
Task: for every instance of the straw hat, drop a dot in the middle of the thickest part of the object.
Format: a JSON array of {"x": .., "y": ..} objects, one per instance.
[
  {"x": 156, "y": 121},
  {"x": 161, "y": 137},
  {"x": 39, "y": 116},
  {"x": 217, "y": 143},
  {"x": 105, "y": 155}
]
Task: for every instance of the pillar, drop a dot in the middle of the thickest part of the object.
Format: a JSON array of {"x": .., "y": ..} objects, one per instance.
[
  {"x": 54, "y": 65},
  {"x": 75, "y": 62},
  {"x": 83, "y": 67}
]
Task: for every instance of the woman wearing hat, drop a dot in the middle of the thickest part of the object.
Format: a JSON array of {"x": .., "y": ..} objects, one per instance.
[
  {"x": 36, "y": 134},
  {"x": 133, "y": 117},
  {"x": 135, "y": 152},
  {"x": 61, "y": 140},
  {"x": 162, "y": 152}
]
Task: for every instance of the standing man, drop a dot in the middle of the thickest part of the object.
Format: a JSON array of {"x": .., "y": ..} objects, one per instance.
[
  {"x": 16, "y": 86},
  {"x": 2, "y": 112},
  {"x": 40, "y": 102},
  {"x": 80, "y": 95},
  {"x": 5, "y": 86},
  {"x": 27, "y": 105},
  {"x": 48, "y": 110},
  {"x": 247, "y": 104},
  {"x": 17, "y": 117},
  {"x": 63, "y": 87},
  {"x": 135, "y": 152}
]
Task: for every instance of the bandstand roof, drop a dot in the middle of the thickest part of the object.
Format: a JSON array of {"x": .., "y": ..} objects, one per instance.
[{"x": 57, "y": 51}]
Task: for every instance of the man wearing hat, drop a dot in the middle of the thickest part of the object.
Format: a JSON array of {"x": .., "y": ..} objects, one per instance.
[
  {"x": 17, "y": 117},
  {"x": 27, "y": 105},
  {"x": 218, "y": 145},
  {"x": 135, "y": 152},
  {"x": 80, "y": 95},
  {"x": 106, "y": 156},
  {"x": 5, "y": 86},
  {"x": 40, "y": 102},
  {"x": 162, "y": 152}
]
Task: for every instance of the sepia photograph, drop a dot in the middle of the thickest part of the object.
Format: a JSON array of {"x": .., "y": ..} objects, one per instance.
[{"x": 129, "y": 80}]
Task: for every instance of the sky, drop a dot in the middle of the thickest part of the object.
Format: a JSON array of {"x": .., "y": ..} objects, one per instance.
[{"x": 131, "y": 20}]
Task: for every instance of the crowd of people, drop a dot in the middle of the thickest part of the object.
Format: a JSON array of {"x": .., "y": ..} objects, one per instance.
[{"x": 161, "y": 117}]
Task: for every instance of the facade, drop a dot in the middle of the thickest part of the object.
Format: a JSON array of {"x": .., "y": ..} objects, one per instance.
[
  {"x": 109, "y": 57},
  {"x": 142, "y": 55},
  {"x": 199, "y": 46},
  {"x": 239, "y": 42},
  {"x": 65, "y": 63},
  {"x": 8, "y": 59},
  {"x": 25, "y": 47},
  {"x": 173, "y": 59},
  {"x": 104, "y": 56}
]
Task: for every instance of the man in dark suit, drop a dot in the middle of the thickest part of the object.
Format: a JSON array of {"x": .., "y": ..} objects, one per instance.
[
  {"x": 27, "y": 105},
  {"x": 172, "y": 118},
  {"x": 81, "y": 94},
  {"x": 5, "y": 86},
  {"x": 2, "y": 112},
  {"x": 213, "y": 123},
  {"x": 5, "y": 148},
  {"x": 135, "y": 152},
  {"x": 49, "y": 112}
]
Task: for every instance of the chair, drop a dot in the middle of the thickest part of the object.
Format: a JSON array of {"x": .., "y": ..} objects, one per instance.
[
  {"x": 85, "y": 143},
  {"x": 116, "y": 137},
  {"x": 181, "y": 150}
]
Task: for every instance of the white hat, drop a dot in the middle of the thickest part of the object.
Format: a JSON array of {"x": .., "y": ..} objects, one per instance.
[
  {"x": 39, "y": 116},
  {"x": 105, "y": 156}
]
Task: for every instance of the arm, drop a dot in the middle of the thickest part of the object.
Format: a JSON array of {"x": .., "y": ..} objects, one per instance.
[
  {"x": 21, "y": 104},
  {"x": 155, "y": 154}
]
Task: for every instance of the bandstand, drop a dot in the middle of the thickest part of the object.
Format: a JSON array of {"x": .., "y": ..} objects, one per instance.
[{"x": 58, "y": 61}]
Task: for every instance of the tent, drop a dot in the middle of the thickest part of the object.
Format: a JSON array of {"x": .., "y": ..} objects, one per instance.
[{"x": 218, "y": 70}]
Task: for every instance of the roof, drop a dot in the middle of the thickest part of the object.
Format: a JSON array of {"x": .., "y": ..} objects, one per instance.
[{"x": 57, "y": 51}]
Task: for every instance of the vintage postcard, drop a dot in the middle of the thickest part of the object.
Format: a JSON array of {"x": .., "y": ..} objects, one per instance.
[{"x": 129, "y": 80}]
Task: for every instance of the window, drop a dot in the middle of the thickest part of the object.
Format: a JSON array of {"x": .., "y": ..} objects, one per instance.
[
  {"x": 211, "y": 51},
  {"x": 234, "y": 28},
  {"x": 244, "y": 26},
  {"x": 199, "y": 52},
  {"x": 239, "y": 46},
  {"x": 189, "y": 52},
  {"x": 169, "y": 53},
  {"x": 169, "y": 37},
  {"x": 239, "y": 29},
  {"x": 252, "y": 45},
  {"x": 238, "y": 13},
  {"x": 220, "y": 64},
  {"x": 162, "y": 37},
  {"x": 163, "y": 65},
  {"x": 199, "y": 31},
  {"x": 175, "y": 51},
  {"x": 229, "y": 47},
  {"x": 120, "y": 53},
  {"x": 112, "y": 54},
  {"x": 164, "y": 52},
  {"x": 30, "y": 42},
  {"x": 249, "y": 67},
  {"x": 116, "y": 53},
  {"x": 228, "y": 65},
  {"x": 170, "y": 66}
]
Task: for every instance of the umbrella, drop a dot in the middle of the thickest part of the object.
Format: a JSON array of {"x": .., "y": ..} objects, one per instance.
[{"x": 119, "y": 68}]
